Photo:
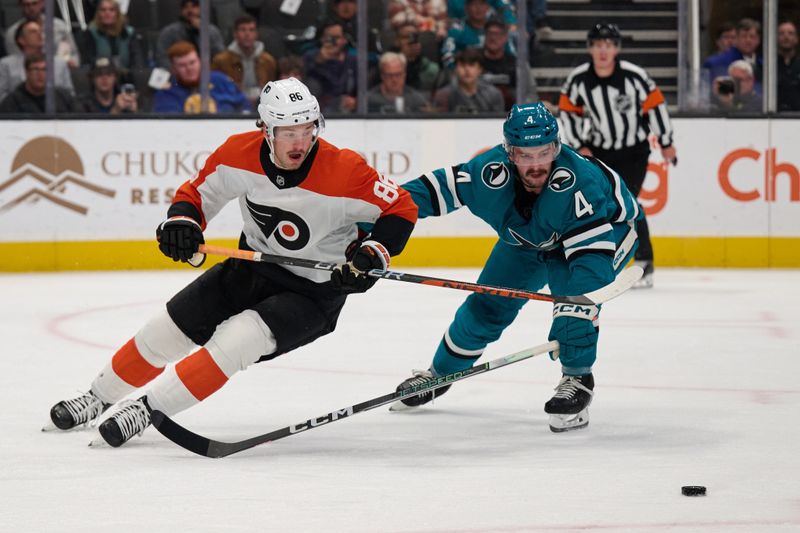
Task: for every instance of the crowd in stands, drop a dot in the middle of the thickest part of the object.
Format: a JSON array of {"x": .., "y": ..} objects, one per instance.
[
  {"x": 735, "y": 71},
  {"x": 437, "y": 56}
]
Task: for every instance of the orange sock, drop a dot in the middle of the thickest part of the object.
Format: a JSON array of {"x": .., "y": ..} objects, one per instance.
[
  {"x": 200, "y": 374},
  {"x": 131, "y": 367}
]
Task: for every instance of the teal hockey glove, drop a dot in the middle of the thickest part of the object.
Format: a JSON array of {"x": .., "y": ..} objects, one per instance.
[{"x": 575, "y": 327}]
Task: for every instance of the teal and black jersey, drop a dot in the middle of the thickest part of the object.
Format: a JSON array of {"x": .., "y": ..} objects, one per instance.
[{"x": 585, "y": 212}]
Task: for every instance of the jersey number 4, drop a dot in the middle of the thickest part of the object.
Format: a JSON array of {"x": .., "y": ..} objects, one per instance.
[{"x": 582, "y": 207}]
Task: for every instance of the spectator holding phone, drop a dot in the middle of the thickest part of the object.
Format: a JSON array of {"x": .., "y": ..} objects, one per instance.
[
  {"x": 421, "y": 73},
  {"x": 333, "y": 70},
  {"x": 103, "y": 96}
]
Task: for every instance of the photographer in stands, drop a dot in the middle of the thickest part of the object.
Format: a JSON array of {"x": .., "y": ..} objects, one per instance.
[
  {"x": 104, "y": 96},
  {"x": 736, "y": 92}
]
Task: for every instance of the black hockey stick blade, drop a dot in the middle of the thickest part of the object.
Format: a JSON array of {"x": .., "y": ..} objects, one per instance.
[{"x": 213, "y": 448}]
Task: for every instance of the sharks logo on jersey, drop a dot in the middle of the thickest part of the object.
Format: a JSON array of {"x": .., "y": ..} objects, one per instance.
[
  {"x": 495, "y": 175},
  {"x": 562, "y": 179},
  {"x": 291, "y": 231},
  {"x": 549, "y": 244}
]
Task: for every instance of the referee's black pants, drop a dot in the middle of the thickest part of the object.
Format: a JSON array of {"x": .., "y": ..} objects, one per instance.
[{"x": 631, "y": 165}]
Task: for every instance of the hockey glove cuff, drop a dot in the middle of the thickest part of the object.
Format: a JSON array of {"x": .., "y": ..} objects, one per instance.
[
  {"x": 352, "y": 277},
  {"x": 575, "y": 327},
  {"x": 179, "y": 238}
]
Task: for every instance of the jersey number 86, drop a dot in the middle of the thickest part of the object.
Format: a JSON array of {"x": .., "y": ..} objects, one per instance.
[{"x": 385, "y": 189}]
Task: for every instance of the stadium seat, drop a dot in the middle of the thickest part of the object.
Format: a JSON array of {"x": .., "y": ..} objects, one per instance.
[
  {"x": 142, "y": 14},
  {"x": 80, "y": 80},
  {"x": 169, "y": 11},
  {"x": 273, "y": 41}
]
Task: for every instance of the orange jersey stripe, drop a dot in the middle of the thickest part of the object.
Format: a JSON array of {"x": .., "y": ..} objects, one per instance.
[
  {"x": 131, "y": 367},
  {"x": 200, "y": 374},
  {"x": 335, "y": 173},
  {"x": 654, "y": 99},
  {"x": 241, "y": 150},
  {"x": 345, "y": 173},
  {"x": 564, "y": 104}
]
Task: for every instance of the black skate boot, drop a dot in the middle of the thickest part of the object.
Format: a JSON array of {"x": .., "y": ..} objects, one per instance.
[
  {"x": 569, "y": 406},
  {"x": 84, "y": 409},
  {"x": 420, "y": 377},
  {"x": 132, "y": 418},
  {"x": 646, "y": 281}
]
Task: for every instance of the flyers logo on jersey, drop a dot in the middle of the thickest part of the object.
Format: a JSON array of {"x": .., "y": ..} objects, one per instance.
[
  {"x": 562, "y": 179},
  {"x": 286, "y": 227},
  {"x": 495, "y": 175}
]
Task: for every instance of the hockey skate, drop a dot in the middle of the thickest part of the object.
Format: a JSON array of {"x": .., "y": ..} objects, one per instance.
[
  {"x": 646, "y": 281},
  {"x": 132, "y": 418},
  {"x": 569, "y": 406},
  {"x": 412, "y": 402},
  {"x": 69, "y": 414}
]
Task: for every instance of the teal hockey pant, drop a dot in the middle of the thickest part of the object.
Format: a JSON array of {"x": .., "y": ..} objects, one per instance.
[{"x": 482, "y": 318}]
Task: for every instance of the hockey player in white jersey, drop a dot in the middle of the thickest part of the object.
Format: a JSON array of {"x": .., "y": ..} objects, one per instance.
[{"x": 300, "y": 197}]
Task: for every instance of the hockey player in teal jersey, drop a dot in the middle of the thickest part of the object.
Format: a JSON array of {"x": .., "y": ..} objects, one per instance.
[{"x": 562, "y": 219}]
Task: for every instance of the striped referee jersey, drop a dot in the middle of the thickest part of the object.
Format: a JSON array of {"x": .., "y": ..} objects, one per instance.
[{"x": 613, "y": 113}]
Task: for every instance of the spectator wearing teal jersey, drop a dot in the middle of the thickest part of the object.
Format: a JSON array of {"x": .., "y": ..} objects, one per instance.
[
  {"x": 502, "y": 8},
  {"x": 469, "y": 33}
]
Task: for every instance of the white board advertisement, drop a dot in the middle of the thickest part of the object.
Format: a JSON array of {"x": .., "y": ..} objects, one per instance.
[{"x": 113, "y": 180}]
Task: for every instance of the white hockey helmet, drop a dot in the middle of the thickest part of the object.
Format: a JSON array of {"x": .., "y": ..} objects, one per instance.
[{"x": 289, "y": 103}]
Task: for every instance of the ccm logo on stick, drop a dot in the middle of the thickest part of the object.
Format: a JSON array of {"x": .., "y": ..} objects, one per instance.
[{"x": 314, "y": 422}]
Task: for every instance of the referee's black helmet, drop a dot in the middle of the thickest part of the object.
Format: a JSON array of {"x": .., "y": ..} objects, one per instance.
[{"x": 604, "y": 30}]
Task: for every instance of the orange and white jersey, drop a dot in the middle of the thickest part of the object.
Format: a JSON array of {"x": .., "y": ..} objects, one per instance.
[{"x": 308, "y": 213}]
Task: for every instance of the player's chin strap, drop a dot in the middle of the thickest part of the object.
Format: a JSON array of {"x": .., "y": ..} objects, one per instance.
[{"x": 624, "y": 281}]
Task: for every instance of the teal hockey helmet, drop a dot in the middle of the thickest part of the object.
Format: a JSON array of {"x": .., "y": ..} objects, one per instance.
[{"x": 530, "y": 125}]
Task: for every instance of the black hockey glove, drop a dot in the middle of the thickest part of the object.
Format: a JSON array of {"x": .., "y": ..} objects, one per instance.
[
  {"x": 179, "y": 238},
  {"x": 351, "y": 277}
]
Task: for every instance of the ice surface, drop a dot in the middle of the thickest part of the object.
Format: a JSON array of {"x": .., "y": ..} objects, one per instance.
[{"x": 697, "y": 383}]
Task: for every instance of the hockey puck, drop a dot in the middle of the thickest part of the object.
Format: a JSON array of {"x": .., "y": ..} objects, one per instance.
[{"x": 693, "y": 490}]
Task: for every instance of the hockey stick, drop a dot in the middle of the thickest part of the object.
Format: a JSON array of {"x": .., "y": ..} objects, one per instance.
[
  {"x": 214, "y": 448},
  {"x": 623, "y": 282}
]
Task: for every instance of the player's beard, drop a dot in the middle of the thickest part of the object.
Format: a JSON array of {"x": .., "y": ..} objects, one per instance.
[{"x": 537, "y": 174}]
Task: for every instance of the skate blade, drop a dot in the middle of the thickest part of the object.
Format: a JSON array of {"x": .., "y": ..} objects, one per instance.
[
  {"x": 399, "y": 407},
  {"x": 98, "y": 442},
  {"x": 562, "y": 423},
  {"x": 52, "y": 428}
]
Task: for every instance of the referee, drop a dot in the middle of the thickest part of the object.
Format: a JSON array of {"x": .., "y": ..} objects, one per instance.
[{"x": 608, "y": 108}]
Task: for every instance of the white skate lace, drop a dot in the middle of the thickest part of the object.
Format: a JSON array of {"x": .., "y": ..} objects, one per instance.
[
  {"x": 85, "y": 408},
  {"x": 132, "y": 418},
  {"x": 568, "y": 386},
  {"x": 420, "y": 377}
]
